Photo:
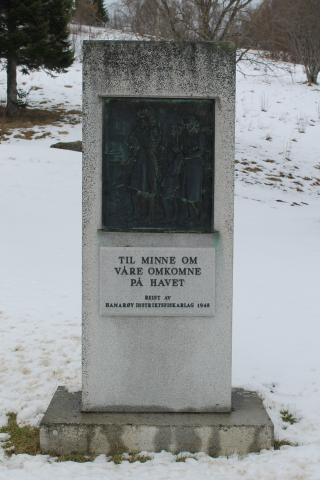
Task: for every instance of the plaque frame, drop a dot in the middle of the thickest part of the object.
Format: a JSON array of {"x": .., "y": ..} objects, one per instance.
[{"x": 209, "y": 228}]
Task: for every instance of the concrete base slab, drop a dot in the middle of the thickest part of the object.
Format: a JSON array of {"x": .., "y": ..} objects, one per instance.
[{"x": 65, "y": 429}]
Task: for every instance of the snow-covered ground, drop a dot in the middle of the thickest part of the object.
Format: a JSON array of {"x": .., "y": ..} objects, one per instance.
[{"x": 276, "y": 282}]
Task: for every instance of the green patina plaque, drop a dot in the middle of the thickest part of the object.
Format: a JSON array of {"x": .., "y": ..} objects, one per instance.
[{"x": 158, "y": 163}]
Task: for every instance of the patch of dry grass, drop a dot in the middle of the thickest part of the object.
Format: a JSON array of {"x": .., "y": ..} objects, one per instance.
[
  {"x": 26, "y": 440},
  {"x": 75, "y": 458},
  {"x": 283, "y": 443},
  {"x": 28, "y": 118},
  {"x": 118, "y": 458},
  {"x": 21, "y": 439},
  {"x": 288, "y": 417},
  {"x": 184, "y": 457}
]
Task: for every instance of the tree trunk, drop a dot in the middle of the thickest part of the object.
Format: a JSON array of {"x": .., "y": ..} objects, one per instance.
[
  {"x": 312, "y": 72},
  {"x": 12, "y": 97}
]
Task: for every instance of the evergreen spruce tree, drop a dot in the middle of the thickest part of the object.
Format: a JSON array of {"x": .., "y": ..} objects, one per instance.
[
  {"x": 33, "y": 34},
  {"x": 102, "y": 13},
  {"x": 90, "y": 12}
]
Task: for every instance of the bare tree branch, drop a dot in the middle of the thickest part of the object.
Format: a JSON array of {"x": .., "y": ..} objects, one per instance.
[{"x": 210, "y": 20}]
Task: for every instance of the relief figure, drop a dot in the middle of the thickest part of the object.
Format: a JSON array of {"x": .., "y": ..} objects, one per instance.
[
  {"x": 171, "y": 178},
  {"x": 192, "y": 181},
  {"x": 144, "y": 145}
]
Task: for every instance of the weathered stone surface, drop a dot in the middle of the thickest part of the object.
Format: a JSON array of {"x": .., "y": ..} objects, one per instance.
[
  {"x": 151, "y": 363},
  {"x": 65, "y": 429}
]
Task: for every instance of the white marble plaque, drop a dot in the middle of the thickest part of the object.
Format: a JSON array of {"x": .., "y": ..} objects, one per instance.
[{"x": 157, "y": 281}]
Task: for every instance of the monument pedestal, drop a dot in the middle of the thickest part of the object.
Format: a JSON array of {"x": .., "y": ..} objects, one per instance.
[{"x": 66, "y": 430}]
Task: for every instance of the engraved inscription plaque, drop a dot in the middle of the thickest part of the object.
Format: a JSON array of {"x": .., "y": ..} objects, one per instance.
[
  {"x": 161, "y": 281},
  {"x": 158, "y": 165}
]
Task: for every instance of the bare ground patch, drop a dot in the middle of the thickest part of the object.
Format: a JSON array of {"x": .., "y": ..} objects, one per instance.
[{"x": 28, "y": 118}]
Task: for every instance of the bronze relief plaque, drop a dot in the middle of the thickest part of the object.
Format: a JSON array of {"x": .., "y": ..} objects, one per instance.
[{"x": 158, "y": 164}]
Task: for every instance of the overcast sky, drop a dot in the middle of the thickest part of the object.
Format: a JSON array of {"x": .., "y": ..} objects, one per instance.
[{"x": 109, "y": 2}]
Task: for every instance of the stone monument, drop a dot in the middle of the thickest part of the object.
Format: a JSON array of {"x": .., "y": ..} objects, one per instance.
[{"x": 158, "y": 143}]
